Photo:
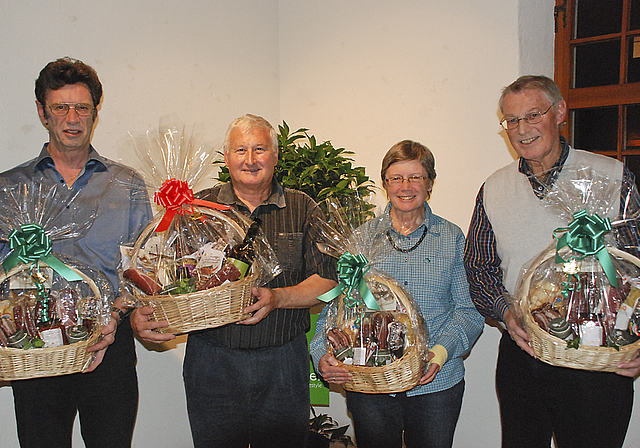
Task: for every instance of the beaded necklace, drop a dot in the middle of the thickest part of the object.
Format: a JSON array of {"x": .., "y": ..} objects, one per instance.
[{"x": 412, "y": 248}]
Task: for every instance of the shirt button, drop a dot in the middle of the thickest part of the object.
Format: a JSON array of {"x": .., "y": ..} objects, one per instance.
[{"x": 406, "y": 283}]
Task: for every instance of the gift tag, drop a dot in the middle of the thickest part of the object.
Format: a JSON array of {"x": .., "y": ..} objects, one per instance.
[
  {"x": 360, "y": 356},
  {"x": 210, "y": 257},
  {"x": 23, "y": 280}
]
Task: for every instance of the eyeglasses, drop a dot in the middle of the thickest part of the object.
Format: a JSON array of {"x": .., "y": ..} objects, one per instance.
[
  {"x": 531, "y": 118},
  {"x": 413, "y": 180},
  {"x": 62, "y": 109}
]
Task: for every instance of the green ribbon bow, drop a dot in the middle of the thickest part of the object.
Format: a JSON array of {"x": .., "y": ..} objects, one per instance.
[
  {"x": 585, "y": 235},
  {"x": 351, "y": 270},
  {"x": 30, "y": 244}
]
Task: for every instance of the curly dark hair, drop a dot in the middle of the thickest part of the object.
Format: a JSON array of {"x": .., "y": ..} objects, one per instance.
[{"x": 63, "y": 71}]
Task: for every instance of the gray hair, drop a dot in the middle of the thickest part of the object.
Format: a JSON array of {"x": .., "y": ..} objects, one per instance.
[
  {"x": 247, "y": 122},
  {"x": 540, "y": 83}
]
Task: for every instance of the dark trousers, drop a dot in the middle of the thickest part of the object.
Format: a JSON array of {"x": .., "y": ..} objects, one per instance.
[
  {"x": 583, "y": 409},
  {"x": 428, "y": 420},
  {"x": 241, "y": 397},
  {"x": 105, "y": 399}
]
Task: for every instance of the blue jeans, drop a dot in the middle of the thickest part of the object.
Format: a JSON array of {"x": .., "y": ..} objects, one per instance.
[
  {"x": 427, "y": 420},
  {"x": 239, "y": 397}
]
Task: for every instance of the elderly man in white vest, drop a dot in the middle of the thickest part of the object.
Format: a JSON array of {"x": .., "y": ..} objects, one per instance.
[{"x": 510, "y": 225}]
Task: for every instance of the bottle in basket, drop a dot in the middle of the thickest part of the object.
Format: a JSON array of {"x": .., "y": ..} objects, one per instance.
[
  {"x": 560, "y": 328},
  {"x": 50, "y": 329},
  {"x": 242, "y": 254}
]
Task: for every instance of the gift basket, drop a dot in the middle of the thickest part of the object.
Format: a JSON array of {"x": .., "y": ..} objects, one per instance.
[
  {"x": 52, "y": 307},
  {"x": 197, "y": 261},
  {"x": 578, "y": 298},
  {"x": 373, "y": 326}
]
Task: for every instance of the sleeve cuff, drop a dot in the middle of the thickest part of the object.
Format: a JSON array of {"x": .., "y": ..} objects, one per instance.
[{"x": 440, "y": 355}]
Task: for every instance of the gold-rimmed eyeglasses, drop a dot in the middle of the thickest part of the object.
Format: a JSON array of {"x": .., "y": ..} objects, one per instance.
[{"x": 62, "y": 109}]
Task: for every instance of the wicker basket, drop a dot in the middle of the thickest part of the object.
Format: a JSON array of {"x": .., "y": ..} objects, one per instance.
[
  {"x": 198, "y": 310},
  {"x": 402, "y": 374},
  {"x": 20, "y": 364},
  {"x": 554, "y": 351}
]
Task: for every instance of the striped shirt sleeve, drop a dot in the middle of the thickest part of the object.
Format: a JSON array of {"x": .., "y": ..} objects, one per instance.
[{"x": 482, "y": 264}]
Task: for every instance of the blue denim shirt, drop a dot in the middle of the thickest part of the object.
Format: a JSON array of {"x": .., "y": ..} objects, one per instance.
[
  {"x": 114, "y": 193},
  {"x": 434, "y": 275}
]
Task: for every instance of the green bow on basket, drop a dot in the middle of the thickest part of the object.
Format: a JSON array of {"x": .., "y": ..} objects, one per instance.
[
  {"x": 31, "y": 244},
  {"x": 351, "y": 270},
  {"x": 585, "y": 235}
]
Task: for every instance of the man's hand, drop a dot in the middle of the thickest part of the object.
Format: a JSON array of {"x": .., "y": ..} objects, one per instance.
[
  {"x": 143, "y": 328},
  {"x": 330, "y": 371},
  {"x": 267, "y": 300},
  {"x": 516, "y": 332},
  {"x": 302, "y": 295},
  {"x": 108, "y": 337},
  {"x": 631, "y": 368}
]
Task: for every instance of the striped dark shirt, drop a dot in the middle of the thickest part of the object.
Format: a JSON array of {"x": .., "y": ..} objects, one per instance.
[{"x": 286, "y": 217}]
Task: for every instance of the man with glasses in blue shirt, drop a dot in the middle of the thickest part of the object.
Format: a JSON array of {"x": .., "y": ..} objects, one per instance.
[
  {"x": 511, "y": 225},
  {"x": 68, "y": 93}
]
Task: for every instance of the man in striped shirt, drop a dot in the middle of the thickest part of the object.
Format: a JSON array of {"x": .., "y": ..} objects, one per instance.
[{"x": 249, "y": 383}]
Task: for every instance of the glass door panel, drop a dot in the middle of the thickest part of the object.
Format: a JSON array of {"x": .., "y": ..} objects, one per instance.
[
  {"x": 632, "y": 137},
  {"x": 597, "y": 64},
  {"x": 596, "y": 129},
  {"x": 633, "y": 69},
  {"x": 598, "y": 17}
]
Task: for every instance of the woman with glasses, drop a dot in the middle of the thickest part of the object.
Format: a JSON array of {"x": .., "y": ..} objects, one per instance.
[{"x": 425, "y": 256}]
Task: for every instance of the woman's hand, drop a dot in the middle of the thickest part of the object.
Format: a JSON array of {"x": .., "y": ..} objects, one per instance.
[
  {"x": 432, "y": 369},
  {"x": 330, "y": 371}
]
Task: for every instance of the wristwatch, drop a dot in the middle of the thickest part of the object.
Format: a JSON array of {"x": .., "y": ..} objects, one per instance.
[{"x": 121, "y": 313}]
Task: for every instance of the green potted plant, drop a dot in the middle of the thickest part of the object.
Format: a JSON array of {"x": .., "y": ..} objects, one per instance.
[{"x": 324, "y": 432}]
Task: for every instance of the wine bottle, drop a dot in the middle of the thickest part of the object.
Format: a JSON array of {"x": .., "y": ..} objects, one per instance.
[
  {"x": 49, "y": 327},
  {"x": 242, "y": 255}
]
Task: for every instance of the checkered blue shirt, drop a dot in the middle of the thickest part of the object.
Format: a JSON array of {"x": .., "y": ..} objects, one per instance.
[{"x": 434, "y": 275}]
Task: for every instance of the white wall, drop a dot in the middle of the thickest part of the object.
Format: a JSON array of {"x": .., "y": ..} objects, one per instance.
[
  {"x": 204, "y": 61},
  {"x": 363, "y": 73}
]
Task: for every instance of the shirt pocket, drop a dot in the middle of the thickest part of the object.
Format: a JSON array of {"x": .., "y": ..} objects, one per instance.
[{"x": 289, "y": 250}]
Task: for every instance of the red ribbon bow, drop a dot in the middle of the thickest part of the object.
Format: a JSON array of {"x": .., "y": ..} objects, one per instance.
[{"x": 176, "y": 197}]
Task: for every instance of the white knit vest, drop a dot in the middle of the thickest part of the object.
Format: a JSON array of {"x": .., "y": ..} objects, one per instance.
[{"x": 523, "y": 226}]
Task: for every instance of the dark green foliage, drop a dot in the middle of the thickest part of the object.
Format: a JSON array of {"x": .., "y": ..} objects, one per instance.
[{"x": 329, "y": 429}]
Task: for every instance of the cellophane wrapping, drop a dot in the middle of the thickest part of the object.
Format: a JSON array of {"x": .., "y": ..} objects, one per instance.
[
  {"x": 187, "y": 246},
  {"x": 358, "y": 331},
  {"x": 589, "y": 276},
  {"x": 39, "y": 288}
]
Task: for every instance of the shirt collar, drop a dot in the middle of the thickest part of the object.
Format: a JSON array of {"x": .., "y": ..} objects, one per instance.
[
  {"x": 540, "y": 186},
  {"x": 426, "y": 221},
  {"x": 227, "y": 195},
  {"x": 95, "y": 161}
]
